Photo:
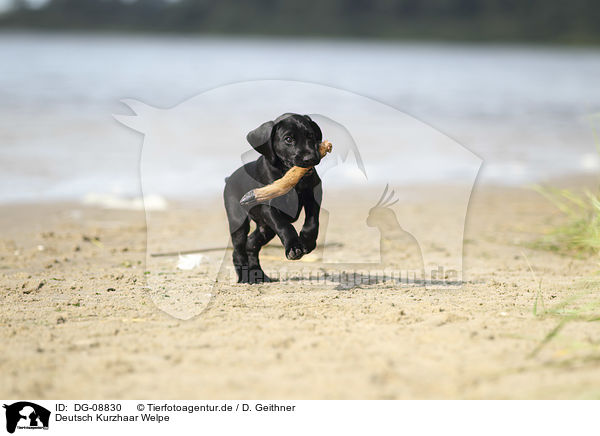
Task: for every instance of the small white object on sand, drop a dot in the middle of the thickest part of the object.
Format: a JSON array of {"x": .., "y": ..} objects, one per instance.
[
  {"x": 191, "y": 261},
  {"x": 114, "y": 201}
]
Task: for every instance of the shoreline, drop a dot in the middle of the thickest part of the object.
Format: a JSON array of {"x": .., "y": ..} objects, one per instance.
[{"x": 568, "y": 181}]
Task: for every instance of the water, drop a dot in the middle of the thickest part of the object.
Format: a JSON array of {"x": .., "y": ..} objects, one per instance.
[{"x": 524, "y": 110}]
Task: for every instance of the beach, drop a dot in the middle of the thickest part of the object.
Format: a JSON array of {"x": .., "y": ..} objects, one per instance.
[
  {"x": 78, "y": 320},
  {"x": 94, "y": 302}
]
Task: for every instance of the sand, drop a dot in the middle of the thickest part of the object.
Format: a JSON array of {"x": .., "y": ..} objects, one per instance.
[{"x": 78, "y": 321}]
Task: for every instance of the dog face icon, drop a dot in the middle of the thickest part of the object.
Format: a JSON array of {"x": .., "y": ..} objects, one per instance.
[{"x": 26, "y": 414}]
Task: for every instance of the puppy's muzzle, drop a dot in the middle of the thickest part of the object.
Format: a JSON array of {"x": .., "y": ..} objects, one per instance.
[{"x": 309, "y": 161}]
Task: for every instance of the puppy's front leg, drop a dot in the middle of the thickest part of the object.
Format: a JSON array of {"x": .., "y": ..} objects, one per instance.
[
  {"x": 284, "y": 229},
  {"x": 311, "y": 200}
]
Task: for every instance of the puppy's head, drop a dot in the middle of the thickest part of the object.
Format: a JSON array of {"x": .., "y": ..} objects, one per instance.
[{"x": 290, "y": 140}]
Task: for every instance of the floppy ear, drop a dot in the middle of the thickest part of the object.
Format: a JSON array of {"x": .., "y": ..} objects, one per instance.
[
  {"x": 315, "y": 127},
  {"x": 260, "y": 139}
]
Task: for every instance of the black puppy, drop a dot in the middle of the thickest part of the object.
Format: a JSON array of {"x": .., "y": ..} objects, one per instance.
[{"x": 290, "y": 140}]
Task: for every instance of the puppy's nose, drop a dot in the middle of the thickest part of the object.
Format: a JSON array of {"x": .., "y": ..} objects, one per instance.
[{"x": 310, "y": 161}]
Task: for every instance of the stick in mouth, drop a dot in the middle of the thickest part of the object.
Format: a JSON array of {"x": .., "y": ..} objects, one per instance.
[{"x": 283, "y": 185}]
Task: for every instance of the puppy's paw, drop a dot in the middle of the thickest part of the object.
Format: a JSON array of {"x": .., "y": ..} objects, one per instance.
[
  {"x": 308, "y": 245},
  {"x": 253, "y": 276},
  {"x": 294, "y": 251},
  {"x": 257, "y": 275}
]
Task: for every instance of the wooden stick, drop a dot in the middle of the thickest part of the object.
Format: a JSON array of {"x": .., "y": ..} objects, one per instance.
[
  {"x": 283, "y": 185},
  {"x": 204, "y": 250}
]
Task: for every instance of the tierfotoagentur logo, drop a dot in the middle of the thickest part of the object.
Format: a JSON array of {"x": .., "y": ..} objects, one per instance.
[
  {"x": 24, "y": 415},
  {"x": 372, "y": 182}
]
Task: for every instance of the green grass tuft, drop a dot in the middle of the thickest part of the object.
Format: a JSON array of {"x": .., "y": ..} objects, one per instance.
[{"x": 580, "y": 234}]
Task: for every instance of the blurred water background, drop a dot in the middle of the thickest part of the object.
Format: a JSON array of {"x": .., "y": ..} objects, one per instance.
[{"x": 524, "y": 109}]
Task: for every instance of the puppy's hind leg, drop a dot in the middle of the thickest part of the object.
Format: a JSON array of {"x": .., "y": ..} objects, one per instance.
[
  {"x": 239, "y": 238},
  {"x": 257, "y": 239}
]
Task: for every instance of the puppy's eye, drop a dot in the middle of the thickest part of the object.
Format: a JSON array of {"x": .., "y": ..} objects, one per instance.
[{"x": 288, "y": 140}]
